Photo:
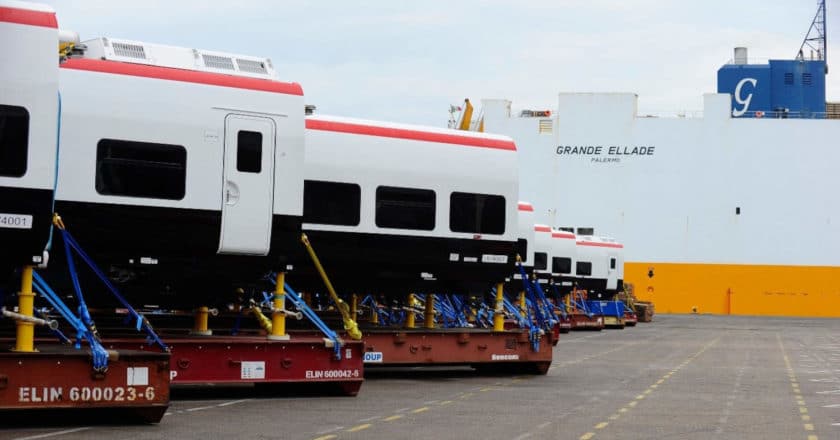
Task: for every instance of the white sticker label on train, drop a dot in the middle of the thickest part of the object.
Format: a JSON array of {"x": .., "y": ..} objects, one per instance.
[
  {"x": 373, "y": 357},
  {"x": 15, "y": 221},
  {"x": 252, "y": 370},
  {"x": 504, "y": 357},
  {"x": 490, "y": 258},
  {"x": 137, "y": 376}
]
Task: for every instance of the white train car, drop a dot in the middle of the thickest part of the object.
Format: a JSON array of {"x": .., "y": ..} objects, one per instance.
[
  {"x": 28, "y": 128},
  {"x": 526, "y": 235},
  {"x": 599, "y": 268},
  {"x": 168, "y": 158},
  {"x": 410, "y": 207},
  {"x": 543, "y": 252},
  {"x": 563, "y": 259}
]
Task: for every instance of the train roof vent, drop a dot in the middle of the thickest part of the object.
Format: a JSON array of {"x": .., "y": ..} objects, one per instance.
[
  {"x": 251, "y": 66},
  {"x": 218, "y": 62},
  {"x": 129, "y": 50}
]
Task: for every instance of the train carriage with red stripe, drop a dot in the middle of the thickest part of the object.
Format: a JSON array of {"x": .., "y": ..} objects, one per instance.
[{"x": 410, "y": 207}]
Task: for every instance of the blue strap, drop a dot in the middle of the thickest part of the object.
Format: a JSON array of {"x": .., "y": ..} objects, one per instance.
[
  {"x": 141, "y": 321},
  {"x": 55, "y": 170}
]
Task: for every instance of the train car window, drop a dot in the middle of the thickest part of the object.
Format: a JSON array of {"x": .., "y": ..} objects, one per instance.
[
  {"x": 540, "y": 260},
  {"x": 405, "y": 208},
  {"x": 14, "y": 140},
  {"x": 476, "y": 213},
  {"x": 140, "y": 169},
  {"x": 331, "y": 203},
  {"x": 522, "y": 249},
  {"x": 561, "y": 265},
  {"x": 612, "y": 263},
  {"x": 249, "y": 151},
  {"x": 586, "y": 231},
  {"x": 584, "y": 268}
]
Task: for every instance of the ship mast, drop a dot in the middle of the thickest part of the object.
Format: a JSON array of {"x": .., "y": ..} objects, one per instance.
[{"x": 815, "y": 40}]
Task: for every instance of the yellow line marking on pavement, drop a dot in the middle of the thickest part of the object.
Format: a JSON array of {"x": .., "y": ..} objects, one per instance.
[
  {"x": 648, "y": 391},
  {"x": 392, "y": 418},
  {"x": 803, "y": 409},
  {"x": 419, "y": 410},
  {"x": 359, "y": 427},
  {"x": 326, "y": 437},
  {"x": 445, "y": 402}
]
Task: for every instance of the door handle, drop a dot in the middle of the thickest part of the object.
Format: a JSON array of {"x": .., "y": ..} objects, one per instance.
[{"x": 231, "y": 193}]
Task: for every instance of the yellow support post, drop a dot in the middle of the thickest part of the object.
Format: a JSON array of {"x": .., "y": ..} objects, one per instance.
[
  {"x": 429, "y": 314},
  {"x": 354, "y": 306},
  {"x": 200, "y": 325},
  {"x": 499, "y": 312},
  {"x": 25, "y": 337},
  {"x": 374, "y": 317},
  {"x": 522, "y": 304},
  {"x": 409, "y": 319},
  {"x": 278, "y": 316}
]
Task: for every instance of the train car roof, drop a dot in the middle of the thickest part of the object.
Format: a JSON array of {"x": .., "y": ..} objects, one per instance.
[{"x": 409, "y": 132}]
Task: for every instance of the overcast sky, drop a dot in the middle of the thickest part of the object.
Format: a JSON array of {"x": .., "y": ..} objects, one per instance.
[{"x": 407, "y": 61}]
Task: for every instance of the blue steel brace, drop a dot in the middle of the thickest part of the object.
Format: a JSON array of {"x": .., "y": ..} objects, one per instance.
[
  {"x": 141, "y": 321},
  {"x": 298, "y": 302},
  {"x": 97, "y": 351},
  {"x": 535, "y": 331}
]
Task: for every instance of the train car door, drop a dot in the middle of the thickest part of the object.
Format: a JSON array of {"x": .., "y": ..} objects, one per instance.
[{"x": 248, "y": 186}]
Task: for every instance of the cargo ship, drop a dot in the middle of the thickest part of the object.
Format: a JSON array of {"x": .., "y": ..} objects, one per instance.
[{"x": 732, "y": 211}]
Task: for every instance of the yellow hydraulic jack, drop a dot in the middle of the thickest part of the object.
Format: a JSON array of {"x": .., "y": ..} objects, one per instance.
[
  {"x": 349, "y": 323},
  {"x": 429, "y": 314},
  {"x": 25, "y": 333},
  {"x": 499, "y": 312},
  {"x": 278, "y": 316},
  {"x": 200, "y": 326},
  {"x": 523, "y": 305},
  {"x": 409, "y": 318}
]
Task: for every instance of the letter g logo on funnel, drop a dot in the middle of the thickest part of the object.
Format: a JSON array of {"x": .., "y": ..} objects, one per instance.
[{"x": 743, "y": 101}]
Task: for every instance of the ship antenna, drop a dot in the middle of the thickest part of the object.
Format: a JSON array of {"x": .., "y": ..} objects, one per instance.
[{"x": 815, "y": 40}]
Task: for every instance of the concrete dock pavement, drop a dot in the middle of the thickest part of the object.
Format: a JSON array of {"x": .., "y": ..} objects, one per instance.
[{"x": 680, "y": 377}]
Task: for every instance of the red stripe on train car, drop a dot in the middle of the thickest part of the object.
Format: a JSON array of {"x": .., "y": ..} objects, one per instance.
[
  {"x": 541, "y": 228},
  {"x": 414, "y": 135},
  {"x": 28, "y": 17},
  {"x": 562, "y": 235},
  {"x": 596, "y": 244},
  {"x": 181, "y": 75},
  {"x": 526, "y": 207}
]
